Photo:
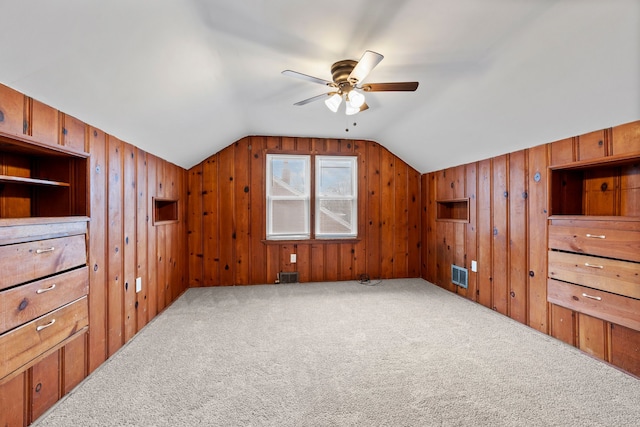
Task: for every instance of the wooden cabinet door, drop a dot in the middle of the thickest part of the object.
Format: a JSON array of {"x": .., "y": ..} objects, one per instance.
[
  {"x": 75, "y": 363},
  {"x": 562, "y": 152},
  {"x": 592, "y": 336},
  {"x": 73, "y": 133},
  {"x": 11, "y": 110},
  {"x": 45, "y": 385},
  {"x": 12, "y": 402},
  {"x": 44, "y": 123},
  {"x": 563, "y": 324},
  {"x": 592, "y": 145},
  {"x": 626, "y": 139},
  {"x": 625, "y": 348}
]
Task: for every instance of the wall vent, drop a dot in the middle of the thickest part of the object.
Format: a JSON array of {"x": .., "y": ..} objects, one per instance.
[
  {"x": 288, "y": 277},
  {"x": 460, "y": 276}
]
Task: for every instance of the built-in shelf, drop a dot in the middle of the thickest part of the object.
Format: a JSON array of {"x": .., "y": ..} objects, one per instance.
[
  {"x": 165, "y": 211},
  {"x": 32, "y": 181},
  {"x": 454, "y": 210}
]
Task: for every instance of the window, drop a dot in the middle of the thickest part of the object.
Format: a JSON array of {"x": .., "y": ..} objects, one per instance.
[{"x": 299, "y": 197}]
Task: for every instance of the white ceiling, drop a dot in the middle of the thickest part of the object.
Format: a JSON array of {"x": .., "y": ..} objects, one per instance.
[{"x": 183, "y": 79}]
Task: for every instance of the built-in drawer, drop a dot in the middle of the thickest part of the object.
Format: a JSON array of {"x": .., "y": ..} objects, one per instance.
[
  {"x": 24, "y": 262},
  {"x": 24, "y": 303},
  {"x": 603, "y": 305},
  {"x": 23, "y": 344},
  {"x": 619, "y": 277},
  {"x": 593, "y": 240}
]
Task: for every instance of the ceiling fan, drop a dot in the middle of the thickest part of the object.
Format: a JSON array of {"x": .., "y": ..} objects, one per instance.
[{"x": 347, "y": 83}]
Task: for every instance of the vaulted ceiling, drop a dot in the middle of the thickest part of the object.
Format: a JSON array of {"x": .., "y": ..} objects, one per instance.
[{"x": 182, "y": 79}]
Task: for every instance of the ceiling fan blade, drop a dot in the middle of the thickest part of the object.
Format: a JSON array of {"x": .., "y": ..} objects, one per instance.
[
  {"x": 364, "y": 107},
  {"x": 313, "y": 98},
  {"x": 301, "y": 76},
  {"x": 390, "y": 87},
  {"x": 367, "y": 63}
]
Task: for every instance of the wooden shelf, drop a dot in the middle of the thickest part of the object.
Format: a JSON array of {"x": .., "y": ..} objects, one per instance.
[
  {"x": 453, "y": 210},
  {"x": 165, "y": 211},
  {"x": 32, "y": 181}
]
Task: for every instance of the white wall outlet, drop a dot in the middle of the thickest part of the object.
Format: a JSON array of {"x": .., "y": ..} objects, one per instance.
[
  {"x": 138, "y": 284},
  {"x": 474, "y": 266},
  {"x": 293, "y": 258}
]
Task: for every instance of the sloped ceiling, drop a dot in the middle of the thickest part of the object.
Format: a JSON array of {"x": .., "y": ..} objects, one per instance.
[{"x": 182, "y": 79}]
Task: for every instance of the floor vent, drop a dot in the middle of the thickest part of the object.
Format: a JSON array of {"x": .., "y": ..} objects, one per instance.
[
  {"x": 288, "y": 277},
  {"x": 459, "y": 276}
]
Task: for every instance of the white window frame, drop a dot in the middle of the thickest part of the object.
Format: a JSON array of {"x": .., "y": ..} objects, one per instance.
[
  {"x": 305, "y": 197},
  {"x": 352, "y": 161}
]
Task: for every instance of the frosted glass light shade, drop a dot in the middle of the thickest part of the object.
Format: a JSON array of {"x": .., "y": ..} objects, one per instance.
[
  {"x": 333, "y": 102},
  {"x": 356, "y": 99},
  {"x": 351, "y": 110}
]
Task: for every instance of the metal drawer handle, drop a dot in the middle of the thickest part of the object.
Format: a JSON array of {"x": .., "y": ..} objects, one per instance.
[
  {"x": 592, "y": 297},
  {"x": 41, "y": 251},
  {"x": 586, "y": 264},
  {"x": 50, "y": 288},
  {"x": 39, "y": 328},
  {"x": 596, "y": 236}
]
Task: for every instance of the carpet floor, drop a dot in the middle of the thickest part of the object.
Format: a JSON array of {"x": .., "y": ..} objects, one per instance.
[{"x": 402, "y": 353}]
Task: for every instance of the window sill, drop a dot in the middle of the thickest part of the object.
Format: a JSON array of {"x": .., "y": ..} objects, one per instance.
[{"x": 310, "y": 241}]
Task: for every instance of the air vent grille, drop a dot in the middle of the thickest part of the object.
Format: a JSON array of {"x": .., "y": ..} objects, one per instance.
[
  {"x": 288, "y": 277},
  {"x": 460, "y": 276}
]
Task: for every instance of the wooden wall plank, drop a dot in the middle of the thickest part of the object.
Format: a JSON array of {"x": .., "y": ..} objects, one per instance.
[
  {"x": 373, "y": 205},
  {"x": 98, "y": 267},
  {"x": 414, "y": 226},
  {"x": 211, "y": 224},
  {"x": 152, "y": 251},
  {"x": 401, "y": 222},
  {"x": 226, "y": 219},
  {"x": 161, "y": 259},
  {"x": 129, "y": 244},
  {"x": 537, "y": 237},
  {"x": 500, "y": 258},
  {"x": 142, "y": 220},
  {"x": 485, "y": 234},
  {"x": 518, "y": 223},
  {"x": 471, "y": 232},
  {"x": 115, "y": 337},
  {"x": 257, "y": 202},
  {"x": 387, "y": 213},
  {"x": 195, "y": 226},
  {"x": 242, "y": 187},
  {"x": 13, "y": 401},
  {"x": 318, "y": 265},
  {"x": 562, "y": 324}
]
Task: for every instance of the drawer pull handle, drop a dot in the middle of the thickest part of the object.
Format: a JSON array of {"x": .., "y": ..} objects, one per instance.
[
  {"x": 39, "y": 328},
  {"x": 50, "y": 288},
  {"x": 596, "y": 236},
  {"x": 591, "y": 297},
  {"x": 586, "y": 264},
  {"x": 42, "y": 251}
]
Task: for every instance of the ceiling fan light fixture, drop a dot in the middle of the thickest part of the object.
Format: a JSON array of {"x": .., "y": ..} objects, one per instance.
[
  {"x": 333, "y": 102},
  {"x": 351, "y": 110},
  {"x": 355, "y": 99}
]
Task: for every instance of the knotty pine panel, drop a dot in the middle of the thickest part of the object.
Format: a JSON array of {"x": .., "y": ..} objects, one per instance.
[
  {"x": 562, "y": 152},
  {"x": 161, "y": 266},
  {"x": 129, "y": 243},
  {"x": 97, "y": 249},
  {"x": 485, "y": 234},
  {"x": 625, "y": 139},
  {"x": 500, "y": 225},
  {"x": 43, "y": 122},
  {"x": 142, "y": 220},
  {"x": 387, "y": 228},
  {"x": 592, "y": 336},
  {"x": 625, "y": 349},
  {"x": 13, "y": 401},
  {"x": 562, "y": 324},
  {"x": 115, "y": 211},
  {"x": 12, "y": 105},
  {"x": 195, "y": 226},
  {"x": 258, "y": 251},
  {"x": 373, "y": 207},
  {"x": 45, "y": 384},
  {"x": 152, "y": 239},
  {"x": 471, "y": 230},
  {"x": 518, "y": 236},
  {"x": 537, "y": 237},
  {"x": 74, "y": 366}
]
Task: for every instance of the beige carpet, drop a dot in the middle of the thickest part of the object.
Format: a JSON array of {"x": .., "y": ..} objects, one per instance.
[{"x": 403, "y": 353}]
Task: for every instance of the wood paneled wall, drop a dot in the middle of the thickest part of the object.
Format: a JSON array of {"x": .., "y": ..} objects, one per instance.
[
  {"x": 507, "y": 235},
  {"x": 123, "y": 243},
  {"x": 226, "y": 218}
]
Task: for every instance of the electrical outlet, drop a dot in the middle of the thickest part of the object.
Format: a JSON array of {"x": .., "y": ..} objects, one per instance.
[
  {"x": 138, "y": 284},
  {"x": 474, "y": 266},
  {"x": 293, "y": 258}
]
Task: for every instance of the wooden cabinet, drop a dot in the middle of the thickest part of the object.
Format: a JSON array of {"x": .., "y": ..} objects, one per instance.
[
  {"x": 43, "y": 259},
  {"x": 594, "y": 251},
  {"x": 11, "y": 110}
]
